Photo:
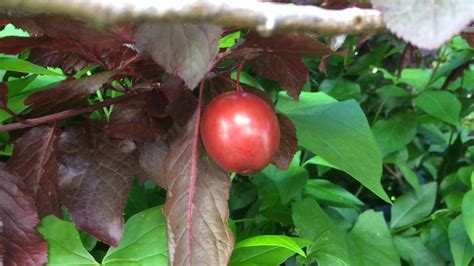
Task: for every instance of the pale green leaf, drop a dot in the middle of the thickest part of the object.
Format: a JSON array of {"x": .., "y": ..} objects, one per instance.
[
  {"x": 143, "y": 242},
  {"x": 267, "y": 250},
  {"x": 64, "y": 243}
]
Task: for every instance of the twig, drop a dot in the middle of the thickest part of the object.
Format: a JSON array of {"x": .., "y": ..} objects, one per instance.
[
  {"x": 62, "y": 115},
  {"x": 263, "y": 16},
  {"x": 239, "y": 69}
]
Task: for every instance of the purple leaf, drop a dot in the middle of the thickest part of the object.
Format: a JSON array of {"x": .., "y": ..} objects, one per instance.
[
  {"x": 295, "y": 44},
  {"x": 95, "y": 176},
  {"x": 67, "y": 28},
  {"x": 67, "y": 61},
  {"x": 152, "y": 157},
  {"x": 129, "y": 120},
  {"x": 68, "y": 94},
  {"x": 288, "y": 143},
  {"x": 173, "y": 99},
  {"x": 34, "y": 160},
  {"x": 196, "y": 205},
  {"x": 21, "y": 243},
  {"x": 289, "y": 71},
  {"x": 185, "y": 50}
]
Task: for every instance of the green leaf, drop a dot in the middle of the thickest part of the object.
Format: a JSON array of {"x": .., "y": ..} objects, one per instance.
[
  {"x": 311, "y": 222},
  {"x": 341, "y": 89},
  {"x": 64, "y": 243},
  {"x": 392, "y": 91},
  {"x": 229, "y": 40},
  {"x": 416, "y": 77},
  {"x": 395, "y": 133},
  {"x": 288, "y": 182},
  {"x": 414, "y": 251},
  {"x": 19, "y": 65},
  {"x": 331, "y": 194},
  {"x": 455, "y": 61},
  {"x": 409, "y": 175},
  {"x": 340, "y": 134},
  {"x": 461, "y": 248},
  {"x": 10, "y": 30},
  {"x": 370, "y": 241},
  {"x": 413, "y": 206},
  {"x": 307, "y": 100},
  {"x": 317, "y": 160},
  {"x": 143, "y": 242},
  {"x": 468, "y": 213},
  {"x": 267, "y": 250},
  {"x": 246, "y": 78},
  {"x": 20, "y": 89},
  {"x": 364, "y": 62},
  {"x": 440, "y": 104},
  {"x": 435, "y": 236}
]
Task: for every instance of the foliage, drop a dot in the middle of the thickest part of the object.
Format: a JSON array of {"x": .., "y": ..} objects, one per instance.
[{"x": 104, "y": 165}]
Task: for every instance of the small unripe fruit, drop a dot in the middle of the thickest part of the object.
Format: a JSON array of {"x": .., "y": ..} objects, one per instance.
[{"x": 240, "y": 132}]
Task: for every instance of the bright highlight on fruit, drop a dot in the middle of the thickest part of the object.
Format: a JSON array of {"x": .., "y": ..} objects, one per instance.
[{"x": 240, "y": 132}]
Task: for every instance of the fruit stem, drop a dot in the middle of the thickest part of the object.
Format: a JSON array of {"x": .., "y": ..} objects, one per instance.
[{"x": 239, "y": 69}]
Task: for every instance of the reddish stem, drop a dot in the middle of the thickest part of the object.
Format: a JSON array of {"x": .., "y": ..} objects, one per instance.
[
  {"x": 62, "y": 115},
  {"x": 239, "y": 69},
  {"x": 14, "y": 115}
]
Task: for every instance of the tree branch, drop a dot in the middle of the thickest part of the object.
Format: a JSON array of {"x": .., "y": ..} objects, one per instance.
[
  {"x": 63, "y": 115},
  {"x": 263, "y": 16}
]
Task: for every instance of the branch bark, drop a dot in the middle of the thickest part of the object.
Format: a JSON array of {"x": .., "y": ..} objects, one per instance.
[{"x": 263, "y": 16}]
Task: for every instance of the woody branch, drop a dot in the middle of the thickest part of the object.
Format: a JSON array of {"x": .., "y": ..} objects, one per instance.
[{"x": 263, "y": 16}]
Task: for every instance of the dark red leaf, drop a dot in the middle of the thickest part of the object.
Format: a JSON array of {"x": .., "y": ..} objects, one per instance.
[
  {"x": 152, "y": 157},
  {"x": 3, "y": 94},
  {"x": 289, "y": 71},
  {"x": 147, "y": 69},
  {"x": 341, "y": 4},
  {"x": 196, "y": 205},
  {"x": 68, "y": 94},
  {"x": 118, "y": 58},
  {"x": 22, "y": 244},
  {"x": 129, "y": 120},
  {"x": 288, "y": 44},
  {"x": 288, "y": 143},
  {"x": 456, "y": 73},
  {"x": 62, "y": 27},
  {"x": 69, "y": 62},
  {"x": 15, "y": 45},
  {"x": 324, "y": 64},
  {"x": 469, "y": 37},
  {"x": 181, "y": 103},
  {"x": 34, "y": 160},
  {"x": 4, "y": 21},
  {"x": 185, "y": 50},
  {"x": 95, "y": 176}
]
